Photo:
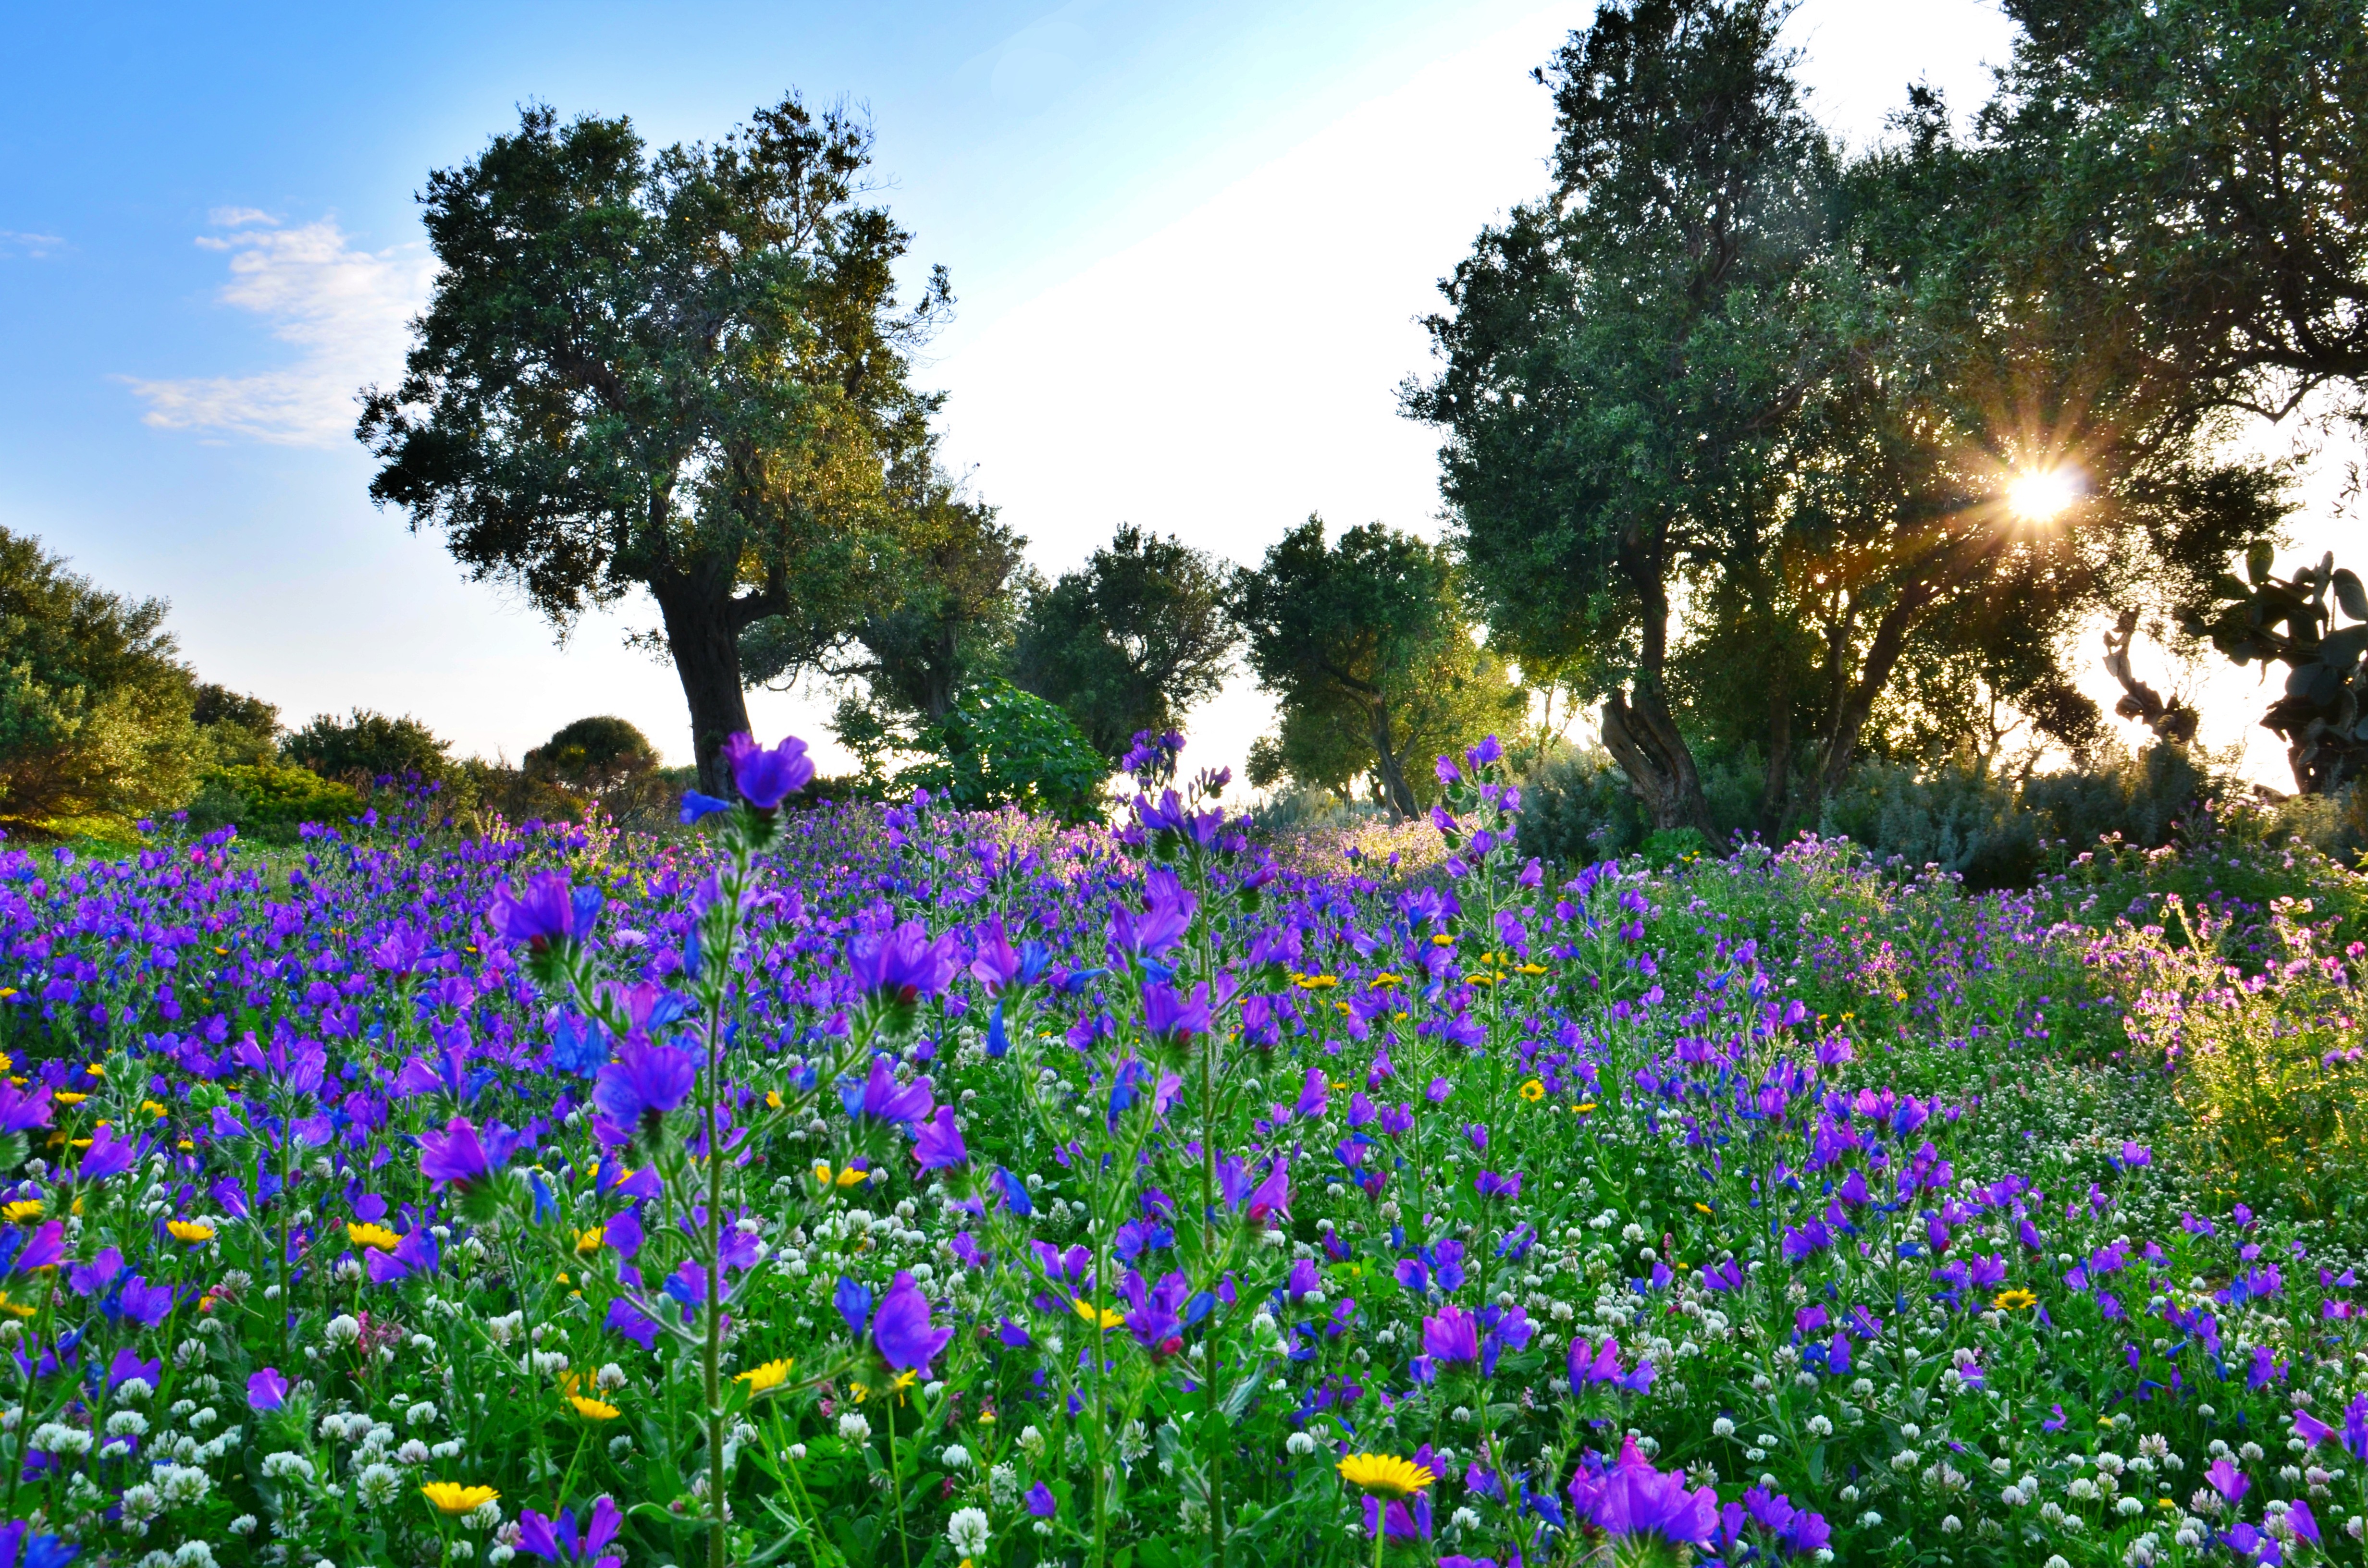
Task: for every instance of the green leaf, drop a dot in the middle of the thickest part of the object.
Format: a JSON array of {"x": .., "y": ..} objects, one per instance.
[
  {"x": 2350, "y": 593},
  {"x": 2258, "y": 558}
]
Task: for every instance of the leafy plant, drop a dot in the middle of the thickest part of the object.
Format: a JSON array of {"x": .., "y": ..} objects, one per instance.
[{"x": 1001, "y": 747}]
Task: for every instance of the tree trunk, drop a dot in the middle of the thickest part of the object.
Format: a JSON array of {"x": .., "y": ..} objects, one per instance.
[
  {"x": 1855, "y": 704},
  {"x": 1776, "y": 787},
  {"x": 1390, "y": 767},
  {"x": 1643, "y": 738},
  {"x": 703, "y": 626},
  {"x": 1639, "y": 731}
]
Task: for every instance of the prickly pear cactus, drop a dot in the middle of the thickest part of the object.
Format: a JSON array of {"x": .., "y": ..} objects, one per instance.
[{"x": 2322, "y": 715}]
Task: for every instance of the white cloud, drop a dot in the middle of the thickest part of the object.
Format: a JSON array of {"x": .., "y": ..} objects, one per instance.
[
  {"x": 31, "y": 246},
  {"x": 345, "y": 311},
  {"x": 240, "y": 216}
]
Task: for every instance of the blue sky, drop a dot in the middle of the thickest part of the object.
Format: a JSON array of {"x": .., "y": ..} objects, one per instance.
[{"x": 1190, "y": 244}]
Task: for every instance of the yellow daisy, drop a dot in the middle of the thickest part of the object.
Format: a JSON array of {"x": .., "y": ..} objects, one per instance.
[
  {"x": 589, "y": 1242},
  {"x": 379, "y": 1236},
  {"x": 1385, "y": 1472},
  {"x": 592, "y": 1409},
  {"x": 771, "y": 1375},
  {"x": 1533, "y": 1091},
  {"x": 452, "y": 1497},
  {"x": 190, "y": 1230},
  {"x": 25, "y": 1210},
  {"x": 1087, "y": 1310},
  {"x": 2014, "y": 1300}
]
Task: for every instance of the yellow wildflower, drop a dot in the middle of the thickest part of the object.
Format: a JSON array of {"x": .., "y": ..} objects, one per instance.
[
  {"x": 1087, "y": 1310},
  {"x": 24, "y": 1209},
  {"x": 771, "y": 1375},
  {"x": 69, "y": 1096},
  {"x": 1385, "y": 1472},
  {"x": 379, "y": 1236},
  {"x": 2014, "y": 1300},
  {"x": 190, "y": 1230},
  {"x": 452, "y": 1497},
  {"x": 592, "y": 1409},
  {"x": 589, "y": 1242},
  {"x": 1533, "y": 1091}
]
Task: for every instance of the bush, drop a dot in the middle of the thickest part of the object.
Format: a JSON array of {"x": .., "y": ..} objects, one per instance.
[
  {"x": 1001, "y": 747},
  {"x": 94, "y": 708},
  {"x": 368, "y": 746},
  {"x": 1957, "y": 818},
  {"x": 1577, "y": 809},
  {"x": 606, "y": 762},
  {"x": 267, "y": 800}
]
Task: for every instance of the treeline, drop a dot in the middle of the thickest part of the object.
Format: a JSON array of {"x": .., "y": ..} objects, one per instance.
[
  {"x": 1790, "y": 459},
  {"x": 102, "y": 723}
]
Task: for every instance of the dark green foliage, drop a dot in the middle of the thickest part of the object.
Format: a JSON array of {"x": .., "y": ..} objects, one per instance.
[
  {"x": 593, "y": 754},
  {"x": 2322, "y": 715},
  {"x": 935, "y": 615},
  {"x": 683, "y": 372},
  {"x": 366, "y": 746},
  {"x": 603, "y": 761},
  {"x": 1134, "y": 640},
  {"x": 2187, "y": 172},
  {"x": 235, "y": 729},
  {"x": 1001, "y": 747},
  {"x": 1367, "y": 652},
  {"x": 95, "y": 704}
]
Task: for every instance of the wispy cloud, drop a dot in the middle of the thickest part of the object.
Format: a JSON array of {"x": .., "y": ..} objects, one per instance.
[
  {"x": 32, "y": 246},
  {"x": 344, "y": 309}
]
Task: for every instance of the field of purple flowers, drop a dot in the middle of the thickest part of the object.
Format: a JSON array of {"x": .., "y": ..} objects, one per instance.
[{"x": 836, "y": 1187}]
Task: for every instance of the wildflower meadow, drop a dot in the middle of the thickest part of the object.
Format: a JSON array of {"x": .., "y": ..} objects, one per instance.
[{"x": 844, "y": 1187}]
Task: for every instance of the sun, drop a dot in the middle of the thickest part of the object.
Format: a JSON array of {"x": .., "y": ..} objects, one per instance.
[{"x": 2042, "y": 495}]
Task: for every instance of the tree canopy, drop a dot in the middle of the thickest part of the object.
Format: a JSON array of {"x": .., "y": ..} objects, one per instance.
[
  {"x": 1132, "y": 641},
  {"x": 1782, "y": 451},
  {"x": 685, "y": 371},
  {"x": 1375, "y": 671},
  {"x": 95, "y": 702}
]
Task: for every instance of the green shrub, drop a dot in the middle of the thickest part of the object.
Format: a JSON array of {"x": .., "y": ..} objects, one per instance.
[
  {"x": 267, "y": 800},
  {"x": 367, "y": 746},
  {"x": 1002, "y": 747},
  {"x": 1577, "y": 809},
  {"x": 1957, "y": 818}
]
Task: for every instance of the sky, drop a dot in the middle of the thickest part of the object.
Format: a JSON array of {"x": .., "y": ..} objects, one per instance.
[{"x": 1192, "y": 245}]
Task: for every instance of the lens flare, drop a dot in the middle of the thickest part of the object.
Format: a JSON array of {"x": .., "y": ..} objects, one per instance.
[{"x": 2042, "y": 496}]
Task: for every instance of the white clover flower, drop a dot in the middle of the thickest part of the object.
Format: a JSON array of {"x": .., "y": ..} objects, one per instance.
[
  {"x": 244, "y": 1524},
  {"x": 193, "y": 1554},
  {"x": 285, "y": 1463},
  {"x": 343, "y": 1330},
  {"x": 2129, "y": 1507},
  {"x": 135, "y": 1391},
  {"x": 1951, "y": 1524},
  {"x": 1722, "y": 1428},
  {"x": 854, "y": 1428},
  {"x": 1820, "y": 1428},
  {"x": 420, "y": 1414},
  {"x": 957, "y": 1457},
  {"x": 1032, "y": 1439},
  {"x": 413, "y": 1451},
  {"x": 967, "y": 1530},
  {"x": 622, "y": 1444},
  {"x": 1300, "y": 1444},
  {"x": 378, "y": 1485},
  {"x": 486, "y": 1516},
  {"x": 57, "y": 1438},
  {"x": 183, "y": 1484},
  {"x": 126, "y": 1423}
]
